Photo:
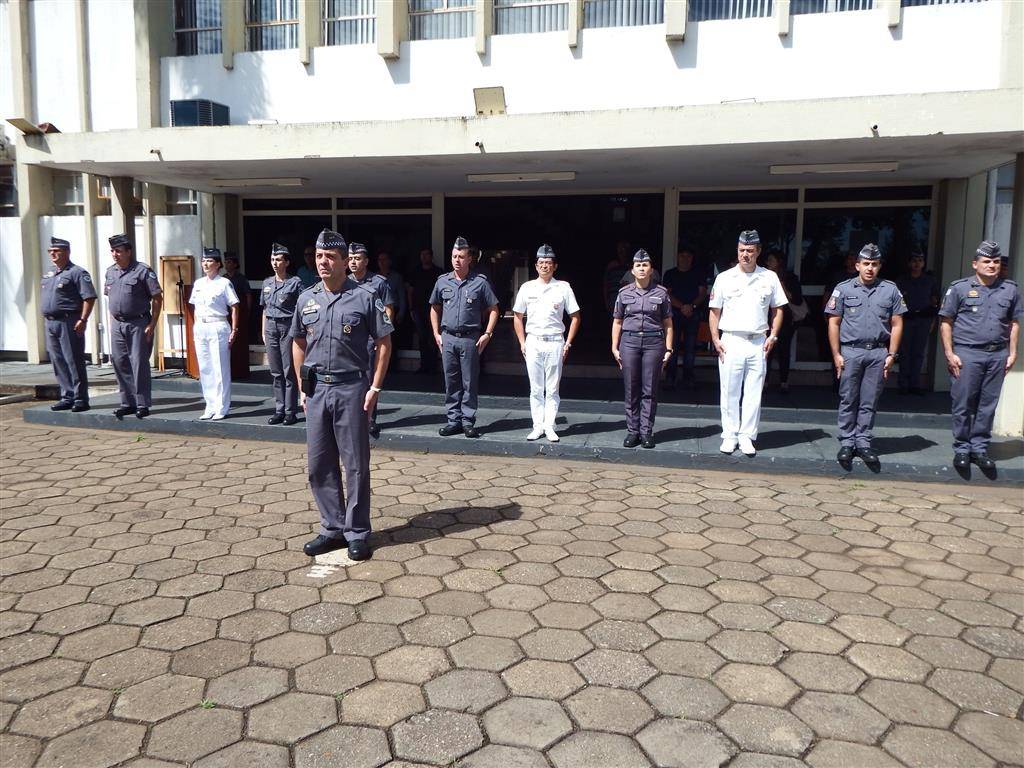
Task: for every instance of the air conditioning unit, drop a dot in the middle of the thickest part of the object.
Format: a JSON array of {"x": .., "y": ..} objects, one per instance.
[{"x": 193, "y": 112}]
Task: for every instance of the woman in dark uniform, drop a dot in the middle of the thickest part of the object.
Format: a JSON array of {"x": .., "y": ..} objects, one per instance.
[{"x": 641, "y": 345}]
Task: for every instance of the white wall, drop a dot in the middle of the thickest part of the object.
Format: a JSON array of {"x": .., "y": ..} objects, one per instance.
[
  {"x": 825, "y": 56},
  {"x": 54, "y": 58},
  {"x": 6, "y": 76},
  {"x": 111, "y": 31},
  {"x": 13, "y": 332}
]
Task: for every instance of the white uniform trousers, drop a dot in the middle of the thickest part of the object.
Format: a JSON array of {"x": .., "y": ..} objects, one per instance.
[
  {"x": 214, "y": 366},
  {"x": 741, "y": 377},
  {"x": 544, "y": 366}
]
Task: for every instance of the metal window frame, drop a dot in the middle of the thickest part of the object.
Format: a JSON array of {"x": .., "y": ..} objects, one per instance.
[{"x": 446, "y": 9}]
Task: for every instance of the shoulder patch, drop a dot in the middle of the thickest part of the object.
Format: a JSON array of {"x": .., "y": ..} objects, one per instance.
[
  {"x": 378, "y": 305},
  {"x": 835, "y": 292},
  {"x": 949, "y": 290},
  {"x": 87, "y": 277}
]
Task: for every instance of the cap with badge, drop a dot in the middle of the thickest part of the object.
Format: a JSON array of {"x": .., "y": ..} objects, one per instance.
[
  {"x": 461, "y": 244},
  {"x": 213, "y": 253},
  {"x": 356, "y": 248},
  {"x": 990, "y": 249},
  {"x": 546, "y": 252},
  {"x": 641, "y": 257},
  {"x": 56, "y": 242},
  {"x": 749, "y": 237},
  {"x": 328, "y": 239},
  {"x": 120, "y": 241},
  {"x": 869, "y": 252},
  {"x": 279, "y": 250}
]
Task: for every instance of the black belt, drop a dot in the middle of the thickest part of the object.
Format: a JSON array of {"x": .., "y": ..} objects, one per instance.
[
  {"x": 344, "y": 377},
  {"x": 866, "y": 344},
  {"x": 641, "y": 334},
  {"x": 994, "y": 346},
  {"x": 279, "y": 319},
  {"x": 58, "y": 315},
  {"x": 129, "y": 318},
  {"x": 462, "y": 334}
]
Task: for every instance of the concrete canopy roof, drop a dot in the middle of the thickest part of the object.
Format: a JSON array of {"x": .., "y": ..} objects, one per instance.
[{"x": 930, "y": 136}]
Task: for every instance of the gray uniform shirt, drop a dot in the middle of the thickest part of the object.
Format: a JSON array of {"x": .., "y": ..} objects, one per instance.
[
  {"x": 981, "y": 314},
  {"x": 642, "y": 310},
  {"x": 64, "y": 290},
  {"x": 378, "y": 284},
  {"x": 337, "y": 326},
  {"x": 866, "y": 310},
  {"x": 278, "y": 299},
  {"x": 129, "y": 291},
  {"x": 462, "y": 302}
]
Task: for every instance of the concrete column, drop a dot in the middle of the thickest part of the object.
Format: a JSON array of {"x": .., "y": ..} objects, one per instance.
[
  {"x": 35, "y": 199},
  {"x": 483, "y": 24},
  {"x": 154, "y": 38},
  {"x": 392, "y": 28},
  {"x": 1010, "y": 413},
  {"x": 575, "y": 22},
  {"x": 670, "y": 229},
  {"x": 782, "y": 17},
  {"x": 93, "y": 250},
  {"x": 676, "y": 12},
  {"x": 232, "y": 34},
  {"x": 310, "y": 29},
  {"x": 122, "y": 206},
  {"x": 20, "y": 59},
  {"x": 84, "y": 90}
]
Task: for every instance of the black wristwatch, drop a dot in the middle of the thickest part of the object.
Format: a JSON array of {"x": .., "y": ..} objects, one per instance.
[{"x": 894, "y": 355}]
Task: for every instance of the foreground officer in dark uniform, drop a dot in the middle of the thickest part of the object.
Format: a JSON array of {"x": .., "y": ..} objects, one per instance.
[
  {"x": 980, "y": 319},
  {"x": 278, "y": 297},
  {"x": 134, "y": 299},
  {"x": 358, "y": 265},
  {"x": 334, "y": 322},
  {"x": 457, "y": 305},
  {"x": 865, "y": 325},
  {"x": 641, "y": 345},
  {"x": 67, "y": 298}
]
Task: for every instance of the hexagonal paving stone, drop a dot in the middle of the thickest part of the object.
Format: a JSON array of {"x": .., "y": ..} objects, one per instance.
[
  {"x": 248, "y": 686},
  {"x": 507, "y": 757},
  {"x": 487, "y": 653},
  {"x": 354, "y": 747},
  {"x": 26, "y": 647},
  {"x": 755, "y": 684},
  {"x": 587, "y": 749},
  {"x": 436, "y": 630},
  {"x": 929, "y": 747},
  {"x": 291, "y": 717},
  {"x": 253, "y": 626},
  {"x": 621, "y": 635},
  {"x": 496, "y": 622},
  {"x": 436, "y": 737},
  {"x": 39, "y": 678},
  {"x": 838, "y": 716},
  {"x": 843, "y": 754},
  {"x": 194, "y": 734},
  {"x": 220, "y": 604},
  {"x": 685, "y": 697},
  {"x": 765, "y": 729},
  {"x": 62, "y": 711},
  {"x": 18, "y": 750},
  {"x": 179, "y": 633},
  {"x": 466, "y": 690},
  {"x": 908, "y": 703},
  {"x": 818, "y": 672},
  {"x": 381, "y": 703},
  {"x": 616, "y": 669},
  {"x": 999, "y": 737},
  {"x": 159, "y": 697},
  {"x": 555, "y": 644},
  {"x": 211, "y": 658},
  {"x": 127, "y": 668},
  {"x": 106, "y": 743},
  {"x": 365, "y": 639},
  {"x": 749, "y": 647},
  {"x": 971, "y": 690},
  {"x": 333, "y": 674},
  {"x": 531, "y": 723},
  {"x": 679, "y": 657},
  {"x": 391, "y": 610},
  {"x": 609, "y": 709},
  {"x": 250, "y": 753},
  {"x": 289, "y": 650},
  {"x": 542, "y": 679},
  {"x": 685, "y": 742},
  {"x": 888, "y": 662},
  {"x": 411, "y": 664},
  {"x": 323, "y": 618},
  {"x": 149, "y": 611}
]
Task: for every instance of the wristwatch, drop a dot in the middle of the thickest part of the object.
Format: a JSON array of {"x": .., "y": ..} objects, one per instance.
[
  {"x": 378, "y": 390},
  {"x": 894, "y": 355},
  {"x": 773, "y": 338}
]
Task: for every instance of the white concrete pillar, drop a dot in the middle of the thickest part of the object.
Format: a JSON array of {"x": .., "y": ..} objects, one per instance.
[
  {"x": 1010, "y": 413},
  {"x": 392, "y": 28}
]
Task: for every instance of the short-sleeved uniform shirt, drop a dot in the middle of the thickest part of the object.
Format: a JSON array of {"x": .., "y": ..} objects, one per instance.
[
  {"x": 981, "y": 314},
  {"x": 544, "y": 305},
  {"x": 130, "y": 290},
  {"x": 920, "y": 294},
  {"x": 684, "y": 286},
  {"x": 463, "y": 302},
  {"x": 866, "y": 310},
  {"x": 278, "y": 299},
  {"x": 64, "y": 290},
  {"x": 642, "y": 309},
  {"x": 338, "y": 326},
  {"x": 378, "y": 284},
  {"x": 745, "y": 299},
  {"x": 213, "y": 299}
]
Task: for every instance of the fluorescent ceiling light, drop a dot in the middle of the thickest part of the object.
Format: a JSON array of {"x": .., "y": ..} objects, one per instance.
[
  {"x": 293, "y": 181},
  {"x": 788, "y": 170},
  {"x": 507, "y": 178}
]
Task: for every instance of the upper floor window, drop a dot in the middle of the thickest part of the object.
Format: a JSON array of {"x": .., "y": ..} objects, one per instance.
[
  {"x": 623, "y": 13},
  {"x": 521, "y": 16},
  {"x": 440, "y": 19},
  {"x": 706, "y": 10},
  {"x": 182, "y": 201},
  {"x": 197, "y": 27},
  {"x": 350, "y": 22},
  {"x": 829, "y": 6},
  {"x": 271, "y": 25}
]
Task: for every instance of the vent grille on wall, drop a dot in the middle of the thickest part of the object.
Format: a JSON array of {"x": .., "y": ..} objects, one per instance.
[{"x": 192, "y": 112}]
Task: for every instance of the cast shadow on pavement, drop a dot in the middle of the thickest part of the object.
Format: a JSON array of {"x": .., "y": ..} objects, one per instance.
[
  {"x": 885, "y": 446},
  {"x": 437, "y": 524},
  {"x": 782, "y": 438}
]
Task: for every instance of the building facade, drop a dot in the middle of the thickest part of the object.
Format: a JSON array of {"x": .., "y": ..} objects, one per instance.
[{"x": 587, "y": 124}]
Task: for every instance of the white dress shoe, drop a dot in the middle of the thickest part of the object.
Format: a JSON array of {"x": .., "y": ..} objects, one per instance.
[
  {"x": 206, "y": 417},
  {"x": 535, "y": 433},
  {"x": 551, "y": 435},
  {"x": 728, "y": 446},
  {"x": 747, "y": 447}
]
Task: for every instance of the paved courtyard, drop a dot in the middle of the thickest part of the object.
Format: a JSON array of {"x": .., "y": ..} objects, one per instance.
[{"x": 157, "y": 610}]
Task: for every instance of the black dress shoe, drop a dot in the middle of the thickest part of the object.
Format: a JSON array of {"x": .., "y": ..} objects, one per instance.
[
  {"x": 277, "y": 418},
  {"x": 632, "y": 440},
  {"x": 449, "y": 429},
  {"x": 374, "y": 430},
  {"x": 62, "y": 406},
  {"x": 983, "y": 461},
  {"x": 290, "y": 419},
  {"x": 142, "y": 413},
  {"x": 358, "y": 550},
  {"x": 648, "y": 441},
  {"x": 322, "y": 545},
  {"x": 845, "y": 455},
  {"x": 868, "y": 455},
  {"x": 124, "y": 410},
  {"x": 470, "y": 431},
  {"x": 962, "y": 460},
  {"x": 79, "y": 407}
]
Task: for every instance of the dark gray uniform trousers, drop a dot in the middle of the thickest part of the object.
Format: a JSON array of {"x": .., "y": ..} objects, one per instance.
[
  {"x": 975, "y": 395},
  {"x": 860, "y": 386},
  {"x": 279, "y": 358},
  {"x": 461, "y": 362},
  {"x": 913, "y": 346},
  {"x": 337, "y": 429},
  {"x": 67, "y": 353},
  {"x": 641, "y": 370},
  {"x": 129, "y": 352}
]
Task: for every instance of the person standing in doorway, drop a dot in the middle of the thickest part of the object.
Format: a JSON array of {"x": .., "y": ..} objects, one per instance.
[
  {"x": 134, "y": 299},
  {"x": 920, "y": 290},
  {"x": 278, "y": 297},
  {"x": 746, "y": 306},
  {"x": 687, "y": 287},
  {"x": 215, "y": 330},
  {"x": 542, "y": 340},
  {"x": 307, "y": 272},
  {"x": 421, "y": 283},
  {"x": 775, "y": 260}
]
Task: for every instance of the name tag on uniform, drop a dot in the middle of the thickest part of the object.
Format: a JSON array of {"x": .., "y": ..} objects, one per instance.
[{"x": 972, "y": 294}]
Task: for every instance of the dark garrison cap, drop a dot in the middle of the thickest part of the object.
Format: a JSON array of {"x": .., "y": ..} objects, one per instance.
[
  {"x": 279, "y": 250},
  {"x": 117, "y": 241},
  {"x": 990, "y": 250},
  {"x": 749, "y": 237},
  {"x": 354, "y": 248},
  {"x": 212, "y": 253},
  {"x": 56, "y": 242},
  {"x": 546, "y": 252},
  {"x": 869, "y": 252},
  {"x": 461, "y": 244},
  {"x": 331, "y": 240},
  {"x": 641, "y": 256}
]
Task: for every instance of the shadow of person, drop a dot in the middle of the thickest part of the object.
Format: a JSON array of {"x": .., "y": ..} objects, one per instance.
[
  {"x": 592, "y": 428},
  {"x": 783, "y": 438},
  {"x": 1002, "y": 450},
  {"x": 683, "y": 433},
  {"x": 436, "y": 524},
  {"x": 415, "y": 421},
  {"x": 909, "y": 444}
]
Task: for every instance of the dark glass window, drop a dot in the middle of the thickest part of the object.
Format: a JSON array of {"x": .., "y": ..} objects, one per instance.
[
  {"x": 197, "y": 27},
  {"x": 739, "y": 196},
  {"x": 287, "y": 204},
  {"x": 378, "y": 203},
  {"x": 857, "y": 194}
]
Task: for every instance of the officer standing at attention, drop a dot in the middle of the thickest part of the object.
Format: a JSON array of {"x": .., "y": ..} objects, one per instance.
[
  {"x": 278, "y": 296},
  {"x": 68, "y": 297},
  {"x": 746, "y": 301},
  {"x": 921, "y": 293},
  {"x": 544, "y": 301},
  {"x": 980, "y": 325},
  {"x": 358, "y": 265},
  {"x": 865, "y": 325},
  {"x": 642, "y": 346},
  {"x": 215, "y": 331},
  {"x": 332, "y": 328},
  {"x": 459, "y": 302},
  {"x": 134, "y": 299}
]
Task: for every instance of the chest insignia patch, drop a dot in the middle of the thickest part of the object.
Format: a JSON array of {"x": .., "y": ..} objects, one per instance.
[
  {"x": 346, "y": 328},
  {"x": 972, "y": 294}
]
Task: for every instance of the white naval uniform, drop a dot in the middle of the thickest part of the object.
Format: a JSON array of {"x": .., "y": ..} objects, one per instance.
[
  {"x": 544, "y": 305},
  {"x": 213, "y": 300},
  {"x": 746, "y": 300}
]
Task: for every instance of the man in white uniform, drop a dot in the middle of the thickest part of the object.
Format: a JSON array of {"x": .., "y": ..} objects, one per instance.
[
  {"x": 215, "y": 329},
  {"x": 542, "y": 339},
  {"x": 745, "y": 302}
]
